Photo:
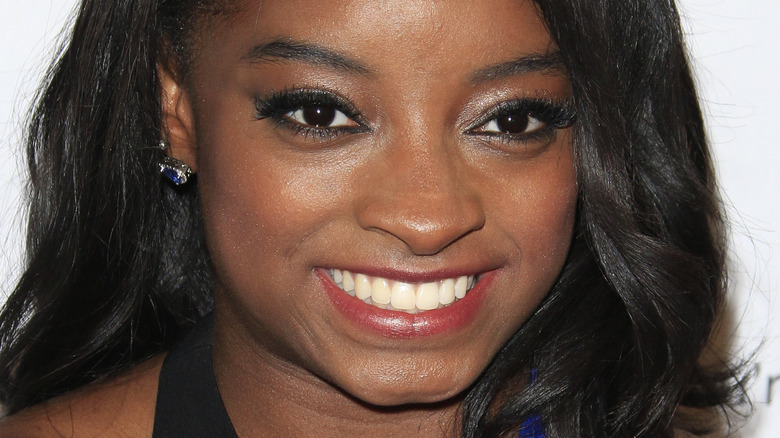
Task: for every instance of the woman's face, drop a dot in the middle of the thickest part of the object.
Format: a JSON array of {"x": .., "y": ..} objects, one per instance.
[{"x": 416, "y": 148}]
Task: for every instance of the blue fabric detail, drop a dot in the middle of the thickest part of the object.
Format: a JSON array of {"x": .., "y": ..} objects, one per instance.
[{"x": 532, "y": 428}]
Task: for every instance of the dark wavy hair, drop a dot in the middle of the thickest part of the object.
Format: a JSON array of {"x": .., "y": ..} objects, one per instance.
[{"x": 113, "y": 275}]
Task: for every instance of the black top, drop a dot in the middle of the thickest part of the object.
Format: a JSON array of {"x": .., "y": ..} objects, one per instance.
[{"x": 188, "y": 402}]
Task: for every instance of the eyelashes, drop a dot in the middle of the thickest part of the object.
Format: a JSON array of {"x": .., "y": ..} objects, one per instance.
[
  {"x": 323, "y": 115},
  {"x": 315, "y": 113},
  {"x": 524, "y": 119}
]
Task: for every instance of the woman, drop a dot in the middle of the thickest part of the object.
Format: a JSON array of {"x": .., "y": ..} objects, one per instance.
[{"x": 409, "y": 217}]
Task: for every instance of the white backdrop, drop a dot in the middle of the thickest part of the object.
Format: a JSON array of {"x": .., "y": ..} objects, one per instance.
[{"x": 733, "y": 43}]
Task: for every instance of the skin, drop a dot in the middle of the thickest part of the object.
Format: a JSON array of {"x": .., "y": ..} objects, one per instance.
[
  {"x": 122, "y": 407},
  {"x": 416, "y": 192}
]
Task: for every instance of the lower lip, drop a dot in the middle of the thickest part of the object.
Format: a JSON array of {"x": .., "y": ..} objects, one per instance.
[{"x": 395, "y": 324}]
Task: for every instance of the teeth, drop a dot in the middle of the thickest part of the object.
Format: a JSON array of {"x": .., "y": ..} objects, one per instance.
[
  {"x": 447, "y": 291},
  {"x": 362, "y": 287},
  {"x": 403, "y": 296},
  {"x": 427, "y": 296},
  {"x": 461, "y": 286},
  {"x": 397, "y": 295},
  {"x": 380, "y": 291},
  {"x": 337, "y": 277},
  {"x": 348, "y": 283}
]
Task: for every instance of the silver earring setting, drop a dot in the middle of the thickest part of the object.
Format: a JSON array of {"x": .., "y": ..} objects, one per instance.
[{"x": 177, "y": 171}]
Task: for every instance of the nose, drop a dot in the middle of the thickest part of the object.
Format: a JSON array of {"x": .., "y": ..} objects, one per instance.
[{"x": 416, "y": 194}]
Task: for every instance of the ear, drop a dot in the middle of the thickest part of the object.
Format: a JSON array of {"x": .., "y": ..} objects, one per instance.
[{"x": 177, "y": 118}]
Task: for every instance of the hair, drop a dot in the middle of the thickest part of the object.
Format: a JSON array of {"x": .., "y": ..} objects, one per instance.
[{"x": 113, "y": 275}]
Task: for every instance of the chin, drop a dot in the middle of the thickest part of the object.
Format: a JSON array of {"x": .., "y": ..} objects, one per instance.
[
  {"x": 397, "y": 390},
  {"x": 395, "y": 398}
]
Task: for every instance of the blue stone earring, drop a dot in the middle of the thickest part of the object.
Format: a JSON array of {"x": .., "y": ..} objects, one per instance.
[{"x": 177, "y": 171}]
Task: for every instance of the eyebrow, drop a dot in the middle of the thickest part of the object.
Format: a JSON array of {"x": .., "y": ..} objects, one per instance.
[
  {"x": 285, "y": 49},
  {"x": 291, "y": 50},
  {"x": 550, "y": 63}
]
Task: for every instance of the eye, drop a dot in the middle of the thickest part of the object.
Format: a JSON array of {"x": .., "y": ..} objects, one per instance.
[
  {"x": 518, "y": 123},
  {"x": 320, "y": 116},
  {"x": 313, "y": 114},
  {"x": 524, "y": 120}
]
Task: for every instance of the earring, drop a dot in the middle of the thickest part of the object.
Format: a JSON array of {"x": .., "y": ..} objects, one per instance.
[{"x": 177, "y": 171}]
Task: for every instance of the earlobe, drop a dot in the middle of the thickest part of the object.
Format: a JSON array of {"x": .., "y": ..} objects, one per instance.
[{"x": 177, "y": 118}]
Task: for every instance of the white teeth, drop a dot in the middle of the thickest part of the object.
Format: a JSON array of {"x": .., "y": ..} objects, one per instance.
[
  {"x": 380, "y": 291},
  {"x": 348, "y": 283},
  {"x": 337, "y": 277},
  {"x": 461, "y": 286},
  {"x": 362, "y": 286},
  {"x": 428, "y": 296},
  {"x": 397, "y": 295},
  {"x": 403, "y": 296},
  {"x": 447, "y": 291}
]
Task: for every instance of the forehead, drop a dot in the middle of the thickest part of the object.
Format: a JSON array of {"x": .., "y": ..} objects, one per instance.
[{"x": 431, "y": 35}]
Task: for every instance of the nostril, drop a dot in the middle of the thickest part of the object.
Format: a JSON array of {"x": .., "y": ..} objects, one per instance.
[
  {"x": 422, "y": 197},
  {"x": 426, "y": 226}
]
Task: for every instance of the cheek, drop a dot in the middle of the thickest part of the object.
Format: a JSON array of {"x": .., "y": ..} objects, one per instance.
[
  {"x": 257, "y": 203},
  {"x": 540, "y": 218},
  {"x": 253, "y": 214},
  {"x": 548, "y": 226},
  {"x": 256, "y": 211}
]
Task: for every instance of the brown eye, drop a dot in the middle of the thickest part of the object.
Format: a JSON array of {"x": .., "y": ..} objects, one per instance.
[
  {"x": 320, "y": 116},
  {"x": 512, "y": 124},
  {"x": 515, "y": 123}
]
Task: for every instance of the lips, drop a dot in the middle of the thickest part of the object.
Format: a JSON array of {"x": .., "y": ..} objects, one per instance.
[
  {"x": 397, "y": 318},
  {"x": 390, "y": 294}
]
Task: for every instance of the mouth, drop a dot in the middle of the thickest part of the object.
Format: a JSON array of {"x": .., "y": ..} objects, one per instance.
[{"x": 397, "y": 295}]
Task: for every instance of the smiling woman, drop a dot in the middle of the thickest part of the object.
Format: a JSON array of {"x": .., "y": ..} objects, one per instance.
[{"x": 466, "y": 218}]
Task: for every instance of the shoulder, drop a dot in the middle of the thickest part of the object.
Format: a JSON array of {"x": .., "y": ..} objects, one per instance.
[{"x": 122, "y": 407}]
